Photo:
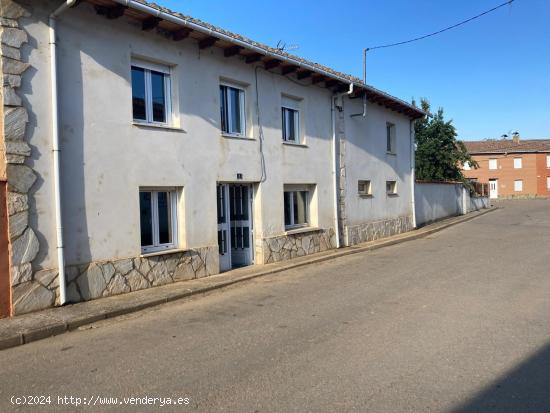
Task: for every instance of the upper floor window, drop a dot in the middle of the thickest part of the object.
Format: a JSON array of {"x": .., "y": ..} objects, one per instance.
[
  {"x": 151, "y": 93},
  {"x": 518, "y": 163},
  {"x": 467, "y": 166},
  {"x": 158, "y": 219},
  {"x": 548, "y": 161},
  {"x": 364, "y": 188},
  {"x": 493, "y": 164},
  {"x": 291, "y": 120},
  {"x": 390, "y": 137},
  {"x": 296, "y": 208},
  {"x": 232, "y": 108}
]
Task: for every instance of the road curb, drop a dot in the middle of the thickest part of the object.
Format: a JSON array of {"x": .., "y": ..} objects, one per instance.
[{"x": 53, "y": 322}]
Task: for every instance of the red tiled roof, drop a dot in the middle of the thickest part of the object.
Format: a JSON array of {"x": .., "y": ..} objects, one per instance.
[{"x": 508, "y": 146}]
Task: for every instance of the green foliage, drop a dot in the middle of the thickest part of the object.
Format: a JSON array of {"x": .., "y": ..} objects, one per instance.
[{"x": 439, "y": 155}]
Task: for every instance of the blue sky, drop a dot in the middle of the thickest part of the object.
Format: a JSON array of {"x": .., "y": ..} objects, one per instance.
[{"x": 492, "y": 76}]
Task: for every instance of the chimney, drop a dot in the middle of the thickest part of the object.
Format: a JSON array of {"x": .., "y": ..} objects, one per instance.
[{"x": 515, "y": 137}]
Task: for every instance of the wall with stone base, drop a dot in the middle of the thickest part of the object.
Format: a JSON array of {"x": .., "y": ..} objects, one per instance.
[
  {"x": 285, "y": 247},
  {"x": 40, "y": 290},
  {"x": 371, "y": 231}
]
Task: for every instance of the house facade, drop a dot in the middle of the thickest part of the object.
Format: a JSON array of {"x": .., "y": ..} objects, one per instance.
[
  {"x": 143, "y": 147},
  {"x": 514, "y": 168}
]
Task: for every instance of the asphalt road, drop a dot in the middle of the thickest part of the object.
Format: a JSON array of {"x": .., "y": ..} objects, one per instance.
[{"x": 456, "y": 322}]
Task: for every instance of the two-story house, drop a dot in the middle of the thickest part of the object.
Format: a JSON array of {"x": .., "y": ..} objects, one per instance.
[
  {"x": 144, "y": 147},
  {"x": 514, "y": 168}
]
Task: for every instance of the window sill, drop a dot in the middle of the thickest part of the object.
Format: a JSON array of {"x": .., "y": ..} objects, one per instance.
[
  {"x": 393, "y": 195},
  {"x": 391, "y": 153},
  {"x": 299, "y": 145},
  {"x": 301, "y": 230},
  {"x": 367, "y": 196},
  {"x": 163, "y": 252},
  {"x": 156, "y": 126},
  {"x": 242, "y": 138}
]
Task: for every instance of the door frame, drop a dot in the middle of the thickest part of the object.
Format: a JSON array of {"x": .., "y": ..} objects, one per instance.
[
  {"x": 495, "y": 180},
  {"x": 226, "y": 263}
]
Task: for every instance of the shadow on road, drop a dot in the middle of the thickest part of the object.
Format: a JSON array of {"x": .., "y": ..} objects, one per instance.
[{"x": 526, "y": 388}]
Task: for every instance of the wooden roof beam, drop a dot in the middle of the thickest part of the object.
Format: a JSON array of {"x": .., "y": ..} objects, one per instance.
[
  {"x": 181, "y": 34},
  {"x": 207, "y": 42},
  {"x": 317, "y": 79},
  {"x": 271, "y": 64},
  {"x": 286, "y": 70},
  {"x": 150, "y": 23},
  {"x": 252, "y": 58},
  {"x": 232, "y": 51},
  {"x": 111, "y": 13},
  {"x": 303, "y": 74}
]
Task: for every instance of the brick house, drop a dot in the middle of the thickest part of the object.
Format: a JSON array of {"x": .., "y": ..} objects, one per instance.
[{"x": 514, "y": 168}]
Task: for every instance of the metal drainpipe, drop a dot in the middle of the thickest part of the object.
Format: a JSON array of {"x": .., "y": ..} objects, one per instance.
[
  {"x": 335, "y": 162},
  {"x": 56, "y": 149},
  {"x": 413, "y": 175}
]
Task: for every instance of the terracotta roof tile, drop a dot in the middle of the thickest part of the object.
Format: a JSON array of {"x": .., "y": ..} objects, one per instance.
[{"x": 508, "y": 146}]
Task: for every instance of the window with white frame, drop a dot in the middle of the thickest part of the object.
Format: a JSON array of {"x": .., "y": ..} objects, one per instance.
[
  {"x": 548, "y": 182},
  {"x": 518, "y": 163},
  {"x": 151, "y": 93},
  {"x": 493, "y": 164},
  {"x": 296, "y": 207},
  {"x": 232, "y": 108},
  {"x": 548, "y": 161},
  {"x": 364, "y": 188},
  {"x": 290, "y": 113},
  {"x": 518, "y": 185},
  {"x": 158, "y": 219},
  {"x": 467, "y": 166},
  {"x": 391, "y": 187},
  {"x": 390, "y": 137}
]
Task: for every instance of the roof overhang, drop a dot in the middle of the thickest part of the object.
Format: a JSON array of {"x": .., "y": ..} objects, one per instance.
[{"x": 179, "y": 27}]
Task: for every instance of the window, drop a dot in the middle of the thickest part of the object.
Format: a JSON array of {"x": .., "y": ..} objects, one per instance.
[
  {"x": 232, "y": 109},
  {"x": 158, "y": 220},
  {"x": 493, "y": 164},
  {"x": 290, "y": 112},
  {"x": 518, "y": 185},
  {"x": 296, "y": 208},
  {"x": 518, "y": 163},
  {"x": 548, "y": 182},
  {"x": 548, "y": 161},
  {"x": 391, "y": 187},
  {"x": 390, "y": 137},
  {"x": 467, "y": 166},
  {"x": 364, "y": 188},
  {"x": 151, "y": 93}
]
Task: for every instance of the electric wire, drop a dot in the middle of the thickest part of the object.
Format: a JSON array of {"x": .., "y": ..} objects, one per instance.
[{"x": 509, "y": 2}]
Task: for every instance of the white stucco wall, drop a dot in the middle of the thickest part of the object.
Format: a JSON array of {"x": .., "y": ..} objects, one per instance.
[
  {"x": 366, "y": 158},
  {"x": 435, "y": 201},
  {"x": 105, "y": 159}
]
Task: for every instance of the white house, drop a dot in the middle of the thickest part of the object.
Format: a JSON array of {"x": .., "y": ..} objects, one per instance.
[{"x": 144, "y": 147}]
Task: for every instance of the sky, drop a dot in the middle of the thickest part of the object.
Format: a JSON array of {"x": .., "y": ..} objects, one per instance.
[{"x": 491, "y": 76}]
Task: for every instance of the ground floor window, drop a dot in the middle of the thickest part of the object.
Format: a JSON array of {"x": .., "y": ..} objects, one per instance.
[
  {"x": 158, "y": 219},
  {"x": 518, "y": 185},
  {"x": 391, "y": 187},
  {"x": 296, "y": 208}
]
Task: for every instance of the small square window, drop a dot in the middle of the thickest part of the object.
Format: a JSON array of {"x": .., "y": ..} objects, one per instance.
[
  {"x": 364, "y": 188},
  {"x": 493, "y": 164},
  {"x": 151, "y": 94},
  {"x": 391, "y": 187},
  {"x": 390, "y": 138},
  {"x": 296, "y": 207},
  {"x": 467, "y": 166},
  {"x": 232, "y": 109},
  {"x": 518, "y": 163},
  {"x": 158, "y": 220},
  {"x": 518, "y": 185}
]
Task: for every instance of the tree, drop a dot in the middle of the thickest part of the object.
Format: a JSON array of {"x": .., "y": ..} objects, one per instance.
[{"x": 439, "y": 155}]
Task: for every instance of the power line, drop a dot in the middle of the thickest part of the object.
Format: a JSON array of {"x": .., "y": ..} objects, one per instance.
[{"x": 442, "y": 30}]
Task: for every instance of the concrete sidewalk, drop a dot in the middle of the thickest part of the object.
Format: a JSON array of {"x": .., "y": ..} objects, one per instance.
[{"x": 36, "y": 326}]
